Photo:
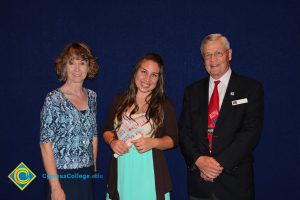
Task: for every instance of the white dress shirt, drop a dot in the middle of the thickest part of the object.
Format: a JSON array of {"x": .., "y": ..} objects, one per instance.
[{"x": 222, "y": 86}]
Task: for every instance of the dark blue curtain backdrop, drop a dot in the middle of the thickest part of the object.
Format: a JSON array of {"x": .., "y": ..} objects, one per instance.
[{"x": 264, "y": 37}]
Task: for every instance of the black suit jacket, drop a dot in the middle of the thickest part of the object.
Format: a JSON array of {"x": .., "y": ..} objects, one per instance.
[{"x": 236, "y": 134}]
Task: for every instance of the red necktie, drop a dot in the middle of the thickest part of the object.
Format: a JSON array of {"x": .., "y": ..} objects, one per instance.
[{"x": 213, "y": 113}]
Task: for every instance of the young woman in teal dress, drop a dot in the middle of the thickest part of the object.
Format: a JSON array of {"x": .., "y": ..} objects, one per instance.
[{"x": 141, "y": 124}]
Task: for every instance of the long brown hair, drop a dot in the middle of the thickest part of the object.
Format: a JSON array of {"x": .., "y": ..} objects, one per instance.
[{"x": 154, "y": 100}]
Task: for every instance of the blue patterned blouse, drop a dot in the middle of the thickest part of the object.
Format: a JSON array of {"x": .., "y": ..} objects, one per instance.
[{"x": 69, "y": 130}]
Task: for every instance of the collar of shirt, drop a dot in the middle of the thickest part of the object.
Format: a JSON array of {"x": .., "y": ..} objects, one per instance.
[{"x": 221, "y": 87}]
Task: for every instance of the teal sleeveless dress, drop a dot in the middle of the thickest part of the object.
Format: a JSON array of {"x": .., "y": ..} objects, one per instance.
[{"x": 136, "y": 179}]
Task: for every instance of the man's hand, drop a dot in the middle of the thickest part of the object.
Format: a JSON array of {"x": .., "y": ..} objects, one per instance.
[
  {"x": 206, "y": 178},
  {"x": 209, "y": 167}
]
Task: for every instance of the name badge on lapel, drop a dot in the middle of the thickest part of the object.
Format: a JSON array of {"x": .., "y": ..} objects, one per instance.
[{"x": 239, "y": 101}]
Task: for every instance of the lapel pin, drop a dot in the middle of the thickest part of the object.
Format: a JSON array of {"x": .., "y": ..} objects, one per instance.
[{"x": 232, "y": 93}]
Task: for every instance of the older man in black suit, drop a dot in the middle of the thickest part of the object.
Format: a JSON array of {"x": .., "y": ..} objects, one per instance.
[{"x": 219, "y": 127}]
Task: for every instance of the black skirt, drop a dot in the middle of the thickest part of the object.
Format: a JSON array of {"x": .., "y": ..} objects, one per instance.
[{"x": 78, "y": 184}]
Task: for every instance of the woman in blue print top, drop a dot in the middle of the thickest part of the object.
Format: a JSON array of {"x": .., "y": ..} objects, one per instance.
[{"x": 68, "y": 136}]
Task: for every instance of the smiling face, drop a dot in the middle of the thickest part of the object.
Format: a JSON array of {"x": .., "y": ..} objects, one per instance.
[
  {"x": 216, "y": 58},
  {"x": 147, "y": 76},
  {"x": 77, "y": 70}
]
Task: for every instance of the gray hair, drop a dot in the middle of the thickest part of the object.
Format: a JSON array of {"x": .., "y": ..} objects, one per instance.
[{"x": 214, "y": 37}]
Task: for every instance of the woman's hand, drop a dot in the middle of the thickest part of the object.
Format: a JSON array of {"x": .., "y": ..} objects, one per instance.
[
  {"x": 144, "y": 144},
  {"x": 119, "y": 147},
  {"x": 58, "y": 194}
]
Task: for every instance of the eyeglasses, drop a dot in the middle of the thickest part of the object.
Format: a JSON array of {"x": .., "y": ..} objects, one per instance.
[{"x": 217, "y": 54}]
